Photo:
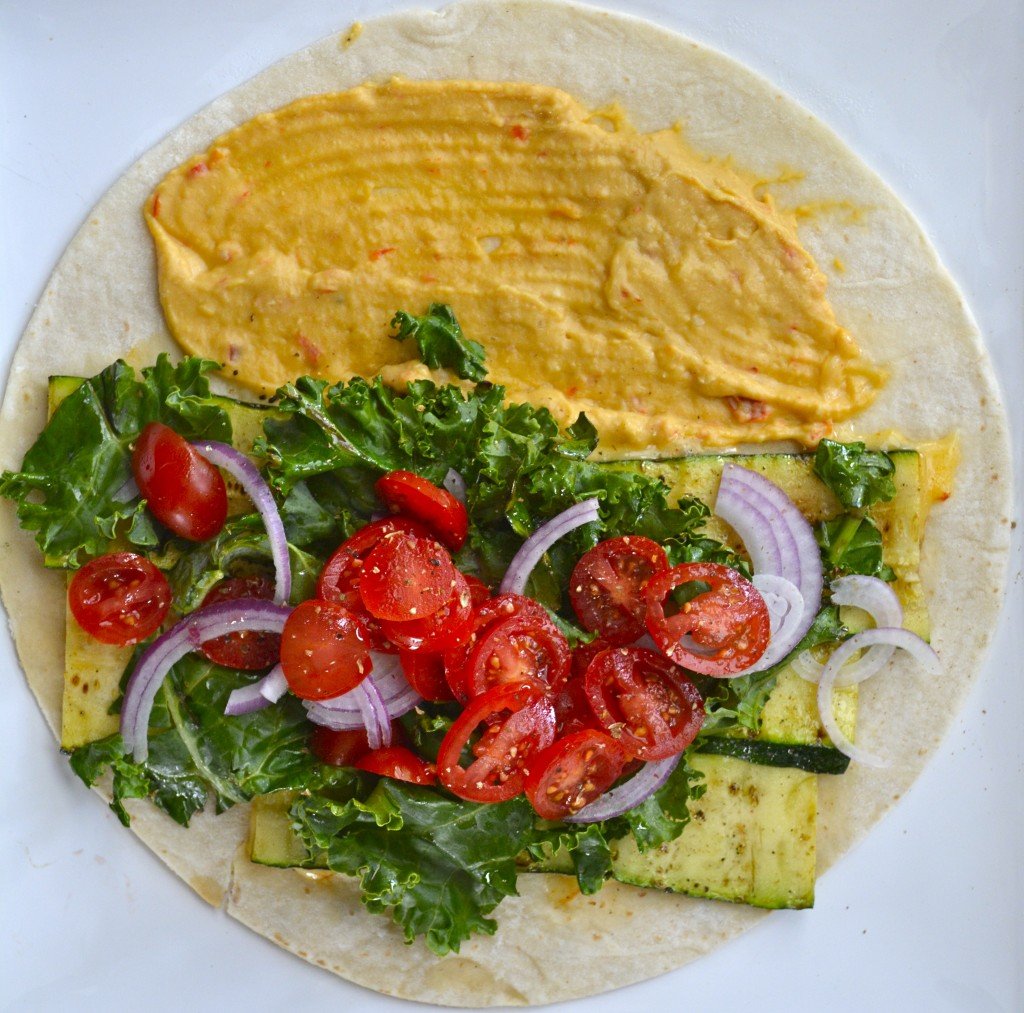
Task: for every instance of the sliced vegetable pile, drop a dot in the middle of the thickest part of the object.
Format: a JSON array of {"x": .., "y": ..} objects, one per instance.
[{"x": 440, "y": 590}]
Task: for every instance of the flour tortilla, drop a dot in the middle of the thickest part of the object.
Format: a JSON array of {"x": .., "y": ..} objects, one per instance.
[{"x": 893, "y": 296}]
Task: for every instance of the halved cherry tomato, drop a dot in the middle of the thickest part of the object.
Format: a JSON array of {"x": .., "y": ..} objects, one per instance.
[
  {"x": 479, "y": 592},
  {"x": 425, "y": 672},
  {"x": 525, "y": 648},
  {"x": 607, "y": 584},
  {"x": 584, "y": 654},
  {"x": 181, "y": 488},
  {"x": 572, "y": 708},
  {"x": 644, "y": 701},
  {"x": 245, "y": 650},
  {"x": 406, "y": 577},
  {"x": 325, "y": 650},
  {"x": 520, "y": 722},
  {"x": 414, "y": 496},
  {"x": 486, "y": 614},
  {"x": 339, "y": 748},
  {"x": 120, "y": 598},
  {"x": 446, "y": 628},
  {"x": 572, "y": 772},
  {"x": 727, "y": 626},
  {"x": 400, "y": 763}
]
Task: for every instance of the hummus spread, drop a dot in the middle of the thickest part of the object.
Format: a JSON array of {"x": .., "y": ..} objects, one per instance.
[{"x": 604, "y": 270}]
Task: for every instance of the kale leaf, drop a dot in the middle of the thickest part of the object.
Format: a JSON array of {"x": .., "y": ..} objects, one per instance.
[
  {"x": 440, "y": 341},
  {"x": 852, "y": 544},
  {"x": 198, "y": 754},
  {"x": 858, "y": 476},
  {"x": 74, "y": 488}
]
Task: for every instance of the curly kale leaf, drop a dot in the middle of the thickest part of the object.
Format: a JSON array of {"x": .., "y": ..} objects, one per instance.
[
  {"x": 858, "y": 476},
  {"x": 198, "y": 754},
  {"x": 440, "y": 341},
  {"x": 74, "y": 488},
  {"x": 852, "y": 544}
]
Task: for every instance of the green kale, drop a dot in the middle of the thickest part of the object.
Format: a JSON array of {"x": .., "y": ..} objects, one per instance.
[
  {"x": 198, "y": 754},
  {"x": 852, "y": 544},
  {"x": 440, "y": 341},
  {"x": 858, "y": 476},
  {"x": 74, "y": 488},
  {"x": 439, "y": 864}
]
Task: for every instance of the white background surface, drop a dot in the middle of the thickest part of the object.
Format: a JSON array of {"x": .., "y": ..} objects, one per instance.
[{"x": 927, "y": 913}]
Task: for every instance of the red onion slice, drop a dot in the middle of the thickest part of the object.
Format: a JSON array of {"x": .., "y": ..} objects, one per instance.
[
  {"x": 523, "y": 562},
  {"x": 637, "y": 789},
  {"x": 258, "y": 695},
  {"x": 903, "y": 639},
  {"x": 880, "y": 601},
  {"x": 374, "y": 714},
  {"x": 249, "y": 478},
  {"x": 456, "y": 485},
  {"x": 181, "y": 639},
  {"x": 786, "y": 611}
]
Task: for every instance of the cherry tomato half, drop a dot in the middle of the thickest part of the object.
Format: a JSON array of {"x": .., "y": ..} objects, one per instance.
[
  {"x": 644, "y": 701},
  {"x": 520, "y": 722},
  {"x": 245, "y": 650},
  {"x": 400, "y": 763},
  {"x": 325, "y": 650},
  {"x": 181, "y": 488},
  {"x": 716, "y": 633},
  {"x": 607, "y": 584},
  {"x": 446, "y": 628},
  {"x": 414, "y": 496},
  {"x": 339, "y": 748},
  {"x": 524, "y": 648},
  {"x": 406, "y": 577},
  {"x": 572, "y": 772},
  {"x": 120, "y": 598},
  {"x": 425, "y": 672}
]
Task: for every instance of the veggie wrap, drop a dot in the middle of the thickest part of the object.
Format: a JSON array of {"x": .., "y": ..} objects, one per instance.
[{"x": 101, "y": 303}]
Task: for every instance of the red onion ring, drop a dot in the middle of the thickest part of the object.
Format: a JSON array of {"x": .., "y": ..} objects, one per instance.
[
  {"x": 786, "y": 611},
  {"x": 456, "y": 485},
  {"x": 896, "y": 638},
  {"x": 523, "y": 562},
  {"x": 181, "y": 639},
  {"x": 257, "y": 695},
  {"x": 880, "y": 601},
  {"x": 640, "y": 787},
  {"x": 222, "y": 455}
]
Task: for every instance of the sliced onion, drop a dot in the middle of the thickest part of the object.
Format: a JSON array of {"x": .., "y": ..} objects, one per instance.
[
  {"x": 780, "y": 543},
  {"x": 374, "y": 713},
  {"x": 523, "y": 562},
  {"x": 258, "y": 695},
  {"x": 637, "y": 789},
  {"x": 181, "y": 639},
  {"x": 786, "y": 612},
  {"x": 455, "y": 484},
  {"x": 880, "y": 601},
  {"x": 252, "y": 482},
  {"x": 903, "y": 639}
]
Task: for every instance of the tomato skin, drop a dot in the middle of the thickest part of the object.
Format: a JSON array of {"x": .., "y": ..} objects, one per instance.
[
  {"x": 504, "y": 749},
  {"x": 338, "y": 748},
  {"x": 425, "y": 672},
  {"x": 607, "y": 584},
  {"x": 730, "y": 621},
  {"x": 485, "y": 615},
  {"x": 412, "y": 495},
  {"x": 572, "y": 772},
  {"x": 572, "y": 708},
  {"x": 523, "y": 648},
  {"x": 120, "y": 598},
  {"x": 246, "y": 650},
  {"x": 182, "y": 489},
  {"x": 399, "y": 763},
  {"x": 644, "y": 701},
  {"x": 446, "y": 628},
  {"x": 406, "y": 577},
  {"x": 325, "y": 650}
]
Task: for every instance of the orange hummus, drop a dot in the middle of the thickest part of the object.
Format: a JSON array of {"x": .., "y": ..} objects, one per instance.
[{"x": 605, "y": 270}]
